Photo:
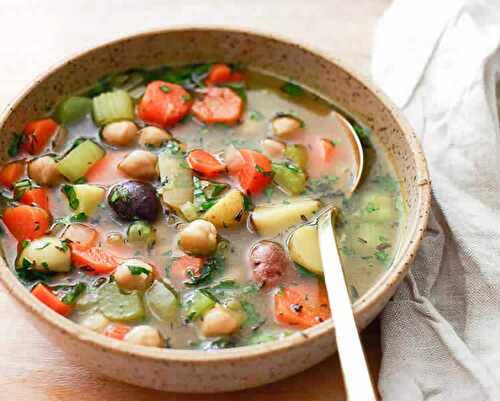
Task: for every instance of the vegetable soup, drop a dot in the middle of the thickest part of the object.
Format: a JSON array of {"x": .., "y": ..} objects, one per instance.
[{"x": 155, "y": 207}]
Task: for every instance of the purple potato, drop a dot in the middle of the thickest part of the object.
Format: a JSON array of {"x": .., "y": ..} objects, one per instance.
[{"x": 134, "y": 200}]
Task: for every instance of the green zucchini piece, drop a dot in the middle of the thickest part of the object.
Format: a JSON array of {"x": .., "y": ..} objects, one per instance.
[
  {"x": 290, "y": 177},
  {"x": 72, "y": 109},
  {"x": 112, "y": 106},
  {"x": 141, "y": 232},
  {"x": 119, "y": 306},
  {"x": 161, "y": 302},
  {"x": 297, "y": 154},
  {"x": 79, "y": 160},
  {"x": 199, "y": 304}
]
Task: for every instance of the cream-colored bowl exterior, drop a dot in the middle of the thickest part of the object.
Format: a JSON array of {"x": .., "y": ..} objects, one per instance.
[{"x": 243, "y": 367}]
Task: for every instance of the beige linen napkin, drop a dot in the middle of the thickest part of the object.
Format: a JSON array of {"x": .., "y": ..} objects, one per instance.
[{"x": 439, "y": 61}]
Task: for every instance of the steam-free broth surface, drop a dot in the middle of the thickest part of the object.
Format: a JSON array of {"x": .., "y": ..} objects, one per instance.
[{"x": 171, "y": 193}]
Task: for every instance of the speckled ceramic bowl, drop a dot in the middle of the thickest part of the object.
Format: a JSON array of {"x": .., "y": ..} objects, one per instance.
[{"x": 243, "y": 367}]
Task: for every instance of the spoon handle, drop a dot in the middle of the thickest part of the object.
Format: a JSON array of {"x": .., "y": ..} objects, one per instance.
[{"x": 357, "y": 380}]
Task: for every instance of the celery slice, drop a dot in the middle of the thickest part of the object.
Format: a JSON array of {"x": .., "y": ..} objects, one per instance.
[
  {"x": 72, "y": 109},
  {"x": 200, "y": 303},
  {"x": 161, "y": 302},
  {"x": 77, "y": 162},
  {"x": 289, "y": 177},
  {"x": 118, "y": 306},
  {"x": 112, "y": 106}
]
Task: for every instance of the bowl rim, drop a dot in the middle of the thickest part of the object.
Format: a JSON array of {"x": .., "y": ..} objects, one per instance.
[{"x": 390, "y": 279}]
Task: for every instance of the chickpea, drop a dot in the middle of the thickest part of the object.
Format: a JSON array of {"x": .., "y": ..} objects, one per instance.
[
  {"x": 199, "y": 238},
  {"x": 131, "y": 275},
  {"x": 121, "y": 133},
  {"x": 144, "y": 335},
  {"x": 285, "y": 125},
  {"x": 96, "y": 322},
  {"x": 219, "y": 321},
  {"x": 274, "y": 149},
  {"x": 140, "y": 164},
  {"x": 153, "y": 137},
  {"x": 44, "y": 171}
]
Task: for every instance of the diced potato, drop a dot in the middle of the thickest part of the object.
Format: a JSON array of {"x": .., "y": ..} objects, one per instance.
[
  {"x": 272, "y": 219},
  {"x": 177, "y": 178},
  {"x": 45, "y": 254},
  {"x": 377, "y": 207},
  {"x": 228, "y": 211},
  {"x": 89, "y": 197},
  {"x": 304, "y": 248}
]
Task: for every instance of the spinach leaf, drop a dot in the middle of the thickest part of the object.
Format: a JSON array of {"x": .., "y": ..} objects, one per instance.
[
  {"x": 292, "y": 89},
  {"x": 15, "y": 145},
  {"x": 254, "y": 320}
]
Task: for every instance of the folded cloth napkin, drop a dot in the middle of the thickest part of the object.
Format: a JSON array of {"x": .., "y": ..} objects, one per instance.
[{"x": 439, "y": 61}]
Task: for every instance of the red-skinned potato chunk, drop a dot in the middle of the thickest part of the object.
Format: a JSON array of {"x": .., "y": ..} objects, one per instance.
[
  {"x": 164, "y": 104},
  {"x": 269, "y": 262},
  {"x": 218, "y": 105}
]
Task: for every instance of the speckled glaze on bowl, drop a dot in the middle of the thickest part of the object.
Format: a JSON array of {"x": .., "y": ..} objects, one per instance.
[{"x": 243, "y": 367}]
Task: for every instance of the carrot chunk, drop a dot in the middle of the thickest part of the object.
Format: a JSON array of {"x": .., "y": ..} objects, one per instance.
[
  {"x": 184, "y": 266},
  {"x": 36, "y": 196},
  {"x": 26, "y": 222},
  {"x": 220, "y": 73},
  {"x": 46, "y": 296},
  {"x": 82, "y": 236},
  {"x": 37, "y": 135},
  {"x": 164, "y": 104},
  {"x": 219, "y": 105},
  {"x": 106, "y": 171},
  {"x": 11, "y": 172},
  {"x": 327, "y": 150},
  {"x": 301, "y": 306},
  {"x": 254, "y": 173},
  {"x": 118, "y": 331},
  {"x": 96, "y": 259},
  {"x": 205, "y": 163}
]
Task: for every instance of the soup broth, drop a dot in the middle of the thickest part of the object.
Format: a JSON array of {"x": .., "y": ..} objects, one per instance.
[{"x": 175, "y": 236}]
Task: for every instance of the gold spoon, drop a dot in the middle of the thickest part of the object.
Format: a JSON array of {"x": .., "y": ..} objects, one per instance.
[{"x": 358, "y": 384}]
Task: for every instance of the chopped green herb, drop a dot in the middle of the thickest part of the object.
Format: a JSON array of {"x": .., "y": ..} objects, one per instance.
[
  {"x": 20, "y": 187},
  {"x": 74, "y": 292},
  {"x": 347, "y": 250},
  {"x": 45, "y": 265},
  {"x": 387, "y": 183},
  {"x": 382, "y": 256},
  {"x": 186, "y": 98},
  {"x": 137, "y": 270},
  {"x": 303, "y": 271},
  {"x": 262, "y": 171},
  {"x": 70, "y": 193},
  {"x": 371, "y": 207},
  {"x": 15, "y": 145},
  {"x": 26, "y": 263},
  {"x": 246, "y": 203},
  {"x": 268, "y": 192},
  {"x": 165, "y": 88},
  {"x": 292, "y": 89},
  {"x": 25, "y": 244},
  {"x": 255, "y": 116},
  {"x": 254, "y": 320}
]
